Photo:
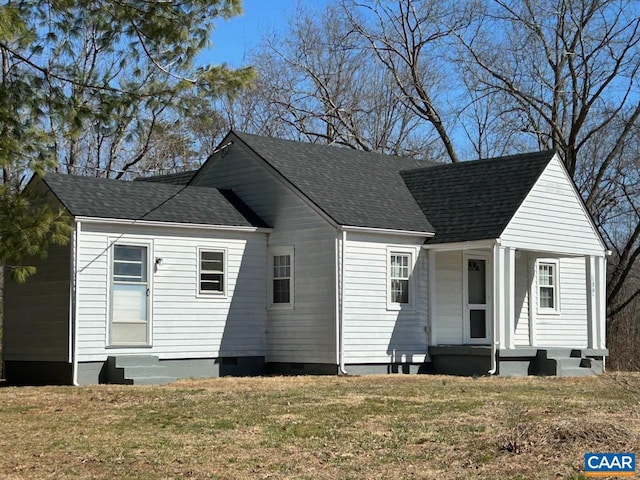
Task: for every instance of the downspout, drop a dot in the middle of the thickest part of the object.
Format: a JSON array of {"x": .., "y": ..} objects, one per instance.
[
  {"x": 341, "y": 367},
  {"x": 74, "y": 313},
  {"x": 494, "y": 311}
]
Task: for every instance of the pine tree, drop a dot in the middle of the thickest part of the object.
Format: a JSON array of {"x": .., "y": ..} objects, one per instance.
[{"x": 81, "y": 78}]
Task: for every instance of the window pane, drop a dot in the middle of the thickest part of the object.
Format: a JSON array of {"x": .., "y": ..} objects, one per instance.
[
  {"x": 134, "y": 254},
  {"x": 477, "y": 323},
  {"x": 477, "y": 279},
  {"x": 545, "y": 274},
  {"x": 546, "y": 297},
  {"x": 399, "y": 291},
  {"x": 128, "y": 270},
  {"x": 281, "y": 291},
  {"x": 281, "y": 266},
  {"x": 212, "y": 261},
  {"x": 399, "y": 266},
  {"x": 212, "y": 282}
]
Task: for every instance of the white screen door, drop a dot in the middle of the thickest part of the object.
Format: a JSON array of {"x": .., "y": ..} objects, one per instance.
[
  {"x": 476, "y": 299},
  {"x": 129, "y": 296}
]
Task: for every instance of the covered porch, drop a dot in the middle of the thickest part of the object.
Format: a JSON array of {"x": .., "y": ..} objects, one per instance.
[{"x": 498, "y": 307}]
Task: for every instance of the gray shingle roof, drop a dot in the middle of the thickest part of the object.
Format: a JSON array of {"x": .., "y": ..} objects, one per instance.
[
  {"x": 106, "y": 198},
  {"x": 352, "y": 187},
  {"x": 475, "y": 200},
  {"x": 180, "y": 178}
]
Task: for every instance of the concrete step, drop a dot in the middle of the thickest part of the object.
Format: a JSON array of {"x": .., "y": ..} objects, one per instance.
[
  {"x": 576, "y": 372},
  {"x": 135, "y": 360},
  {"x": 573, "y": 367},
  {"x": 158, "y": 380},
  {"x": 137, "y": 370},
  {"x": 132, "y": 371}
]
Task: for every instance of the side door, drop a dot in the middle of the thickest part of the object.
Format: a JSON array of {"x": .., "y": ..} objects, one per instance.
[
  {"x": 477, "y": 314},
  {"x": 129, "y": 315}
]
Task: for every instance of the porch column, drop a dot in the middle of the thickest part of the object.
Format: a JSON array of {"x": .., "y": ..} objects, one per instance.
[
  {"x": 601, "y": 303},
  {"x": 431, "y": 287},
  {"x": 596, "y": 301},
  {"x": 504, "y": 269}
]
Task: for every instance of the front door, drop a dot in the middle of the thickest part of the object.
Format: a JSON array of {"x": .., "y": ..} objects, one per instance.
[
  {"x": 129, "y": 323},
  {"x": 477, "y": 318}
]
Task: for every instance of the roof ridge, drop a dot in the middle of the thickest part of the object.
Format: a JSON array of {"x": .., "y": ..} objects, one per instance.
[
  {"x": 533, "y": 155},
  {"x": 334, "y": 147}
]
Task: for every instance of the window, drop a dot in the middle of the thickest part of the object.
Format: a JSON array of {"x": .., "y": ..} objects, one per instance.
[
  {"x": 548, "y": 286},
  {"x": 399, "y": 277},
  {"x": 282, "y": 282},
  {"x": 129, "y": 264},
  {"x": 212, "y": 272}
]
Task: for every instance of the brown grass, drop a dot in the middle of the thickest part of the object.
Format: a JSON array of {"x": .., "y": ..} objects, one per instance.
[{"x": 430, "y": 427}]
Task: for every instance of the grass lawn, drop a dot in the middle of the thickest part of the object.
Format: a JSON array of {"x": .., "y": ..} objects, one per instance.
[{"x": 391, "y": 427}]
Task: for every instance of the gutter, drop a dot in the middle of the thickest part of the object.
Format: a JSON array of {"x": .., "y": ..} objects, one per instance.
[
  {"x": 154, "y": 223},
  {"x": 494, "y": 319},
  {"x": 74, "y": 303},
  {"x": 340, "y": 317}
]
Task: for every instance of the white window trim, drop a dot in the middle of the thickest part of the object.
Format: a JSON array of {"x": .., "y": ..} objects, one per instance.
[
  {"x": 556, "y": 286},
  {"x": 413, "y": 256},
  {"x": 132, "y": 242},
  {"x": 225, "y": 273},
  {"x": 274, "y": 252}
]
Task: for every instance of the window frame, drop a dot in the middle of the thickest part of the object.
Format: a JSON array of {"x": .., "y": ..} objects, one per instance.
[
  {"x": 281, "y": 251},
  {"x": 555, "y": 264},
  {"x": 225, "y": 273},
  {"x": 411, "y": 280}
]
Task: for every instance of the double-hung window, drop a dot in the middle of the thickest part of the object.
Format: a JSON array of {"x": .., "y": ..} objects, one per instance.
[
  {"x": 282, "y": 277},
  {"x": 212, "y": 265},
  {"x": 548, "y": 286},
  {"x": 400, "y": 265}
]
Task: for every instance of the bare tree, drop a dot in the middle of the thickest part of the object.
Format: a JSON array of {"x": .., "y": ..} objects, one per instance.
[
  {"x": 317, "y": 83},
  {"x": 564, "y": 74},
  {"x": 410, "y": 41}
]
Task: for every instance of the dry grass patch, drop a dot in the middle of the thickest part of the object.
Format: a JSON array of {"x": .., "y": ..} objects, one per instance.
[{"x": 319, "y": 428}]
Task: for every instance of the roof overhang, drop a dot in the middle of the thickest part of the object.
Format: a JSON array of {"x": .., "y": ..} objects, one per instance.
[
  {"x": 470, "y": 245},
  {"x": 152, "y": 223},
  {"x": 385, "y": 231}
]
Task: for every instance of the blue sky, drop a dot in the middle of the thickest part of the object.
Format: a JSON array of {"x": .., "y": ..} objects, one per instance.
[{"x": 233, "y": 39}]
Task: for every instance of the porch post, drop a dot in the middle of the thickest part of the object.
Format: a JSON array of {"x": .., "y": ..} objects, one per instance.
[
  {"x": 504, "y": 274},
  {"x": 601, "y": 301},
  {"x": 431, "y": 287},
  {"x": 592, "y": 303},
  {"x": 498, "y": 296},
  {"x": 509, "y": 296}
]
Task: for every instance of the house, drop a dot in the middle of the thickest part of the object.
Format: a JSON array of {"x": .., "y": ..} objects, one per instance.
[{"x": 285, "y": 257}]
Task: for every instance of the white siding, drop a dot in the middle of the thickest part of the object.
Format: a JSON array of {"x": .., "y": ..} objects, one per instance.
[
  {"x": 36, "y": 313},
  {"x": 372, "y": 332},
  {"x": 305, "y": 333},
  {"x": 184, "y": 325},
  {"x": 569, "y": 327},
  {"x": 552, "y": 219},
  {"x": 522, "y": 337},
  {"x": 448, "y": 324}
]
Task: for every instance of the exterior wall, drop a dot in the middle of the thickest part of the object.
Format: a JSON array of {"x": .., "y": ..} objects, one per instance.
[
  {"x": 36, "y": 313},
  {"x": 183, "y": 324},
  {"x": 569, "y": 327},
  {"x": 447, "y": 324},
  {"x": 552, "y": 218},
  {"x": 374, "y": 333},
  {"x": 305, "y": 333},
  {"x": 522, "y": 283}
]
